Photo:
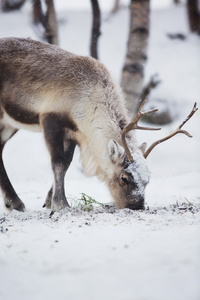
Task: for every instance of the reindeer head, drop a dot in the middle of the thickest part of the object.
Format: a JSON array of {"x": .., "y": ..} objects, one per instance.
[
  {"x": 130, "y": 170},
  {"x": 129, "y": 178}
]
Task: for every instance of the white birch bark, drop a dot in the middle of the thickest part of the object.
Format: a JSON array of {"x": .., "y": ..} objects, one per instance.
[{"x": 133, "y": 70}]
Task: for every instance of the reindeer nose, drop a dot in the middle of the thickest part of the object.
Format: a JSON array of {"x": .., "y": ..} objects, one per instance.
[{"x": 135, "y": 205}]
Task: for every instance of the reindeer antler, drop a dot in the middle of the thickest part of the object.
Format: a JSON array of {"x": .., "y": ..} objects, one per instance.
[
  {"x": 178, "y": 130},
  {"x": 134, "y": 125}
]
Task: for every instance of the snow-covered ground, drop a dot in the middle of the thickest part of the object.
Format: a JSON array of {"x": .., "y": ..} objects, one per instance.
[{"x": 108, "y": 253}]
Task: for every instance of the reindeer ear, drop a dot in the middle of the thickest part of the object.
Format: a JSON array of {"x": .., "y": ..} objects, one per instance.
[
  {"x": 143, "y": 147},
  {"x": 116, "y": 152}
]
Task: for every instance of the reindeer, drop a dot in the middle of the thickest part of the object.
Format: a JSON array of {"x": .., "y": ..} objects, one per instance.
[{"x": 73, "y": 101}]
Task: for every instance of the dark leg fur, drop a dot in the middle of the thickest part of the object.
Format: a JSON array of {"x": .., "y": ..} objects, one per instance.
[
  {"x": 60, "y": 160},
  {"x": 69, "y": 151},
  {"x": 12, "y": 201}
]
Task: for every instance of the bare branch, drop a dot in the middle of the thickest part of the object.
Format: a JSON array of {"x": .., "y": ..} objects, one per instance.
[
  {"x": 115, "y": 7},
  {"x": 153, "y": 83},
  {"x": 178, "y": 130},
  {"x": 7, "y": 6}
]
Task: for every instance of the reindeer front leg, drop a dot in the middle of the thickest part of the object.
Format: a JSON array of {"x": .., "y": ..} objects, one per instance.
[
  {"x": 69, "y": 147},
  {"x": 54, "y": 137}
]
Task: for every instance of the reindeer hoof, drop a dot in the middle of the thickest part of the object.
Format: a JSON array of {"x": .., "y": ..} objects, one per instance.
[
  {"x": 48, "y": 199},
  {"x": 51, "y": 214},
  {"x": 59, "y": 205},
  {"x": 47, "y": 202},
  {"x": 15, "y": 204}
]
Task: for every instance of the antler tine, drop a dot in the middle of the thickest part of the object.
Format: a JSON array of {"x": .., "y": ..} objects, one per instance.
[
  {"x": 178, "y": 130},
  {"x": 134, "y": 125}
]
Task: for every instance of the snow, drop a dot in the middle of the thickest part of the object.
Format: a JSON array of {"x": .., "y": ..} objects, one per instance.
[{"x": 108, "y": 253}]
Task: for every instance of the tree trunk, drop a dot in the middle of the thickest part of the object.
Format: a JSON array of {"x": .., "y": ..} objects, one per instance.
[
  {"x": 38, "y": 15},
  {"x": 48, "y": 20},
  {"x": 133, "y": 70},
  {"x": 193, "y": 15},
  {"x": 95, "y": 28},
  {"x": 51, "y": 23}
]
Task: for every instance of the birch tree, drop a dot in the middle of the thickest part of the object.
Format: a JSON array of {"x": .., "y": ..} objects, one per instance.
[{"x": 136, "y": 56}]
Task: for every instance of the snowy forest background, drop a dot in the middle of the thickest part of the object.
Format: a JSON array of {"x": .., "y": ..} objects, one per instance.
[{"x": 108, "y": 253}]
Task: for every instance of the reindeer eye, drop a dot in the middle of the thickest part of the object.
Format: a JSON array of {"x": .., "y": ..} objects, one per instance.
[{"x": 124, "y": 180}]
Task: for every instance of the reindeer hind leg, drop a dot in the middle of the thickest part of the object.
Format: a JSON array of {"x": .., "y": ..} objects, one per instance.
[{"x": 11, "y": 199}]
